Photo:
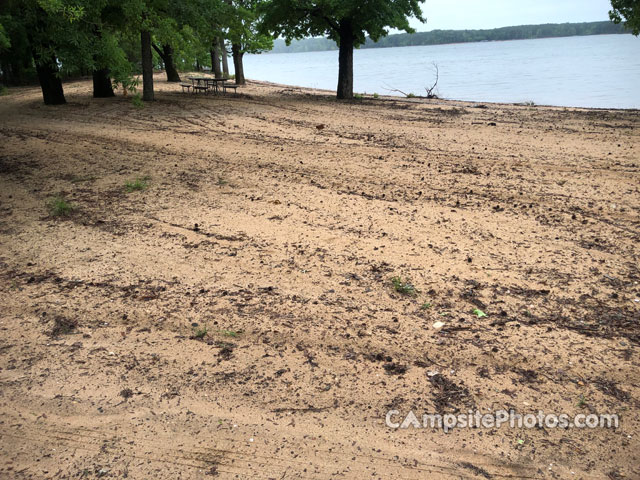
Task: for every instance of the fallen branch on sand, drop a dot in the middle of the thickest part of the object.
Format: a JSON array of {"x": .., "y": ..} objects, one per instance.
[{"x": 430, "y": 90}]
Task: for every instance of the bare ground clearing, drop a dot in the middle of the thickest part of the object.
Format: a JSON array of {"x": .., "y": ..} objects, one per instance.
[{"x": 276, "y": 221}]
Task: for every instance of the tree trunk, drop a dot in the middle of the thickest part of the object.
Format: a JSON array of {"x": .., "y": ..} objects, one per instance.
[
  {"x": 215, "y": 59},
  {"x": 102, "y": 87},
  {"x": 147, "y": 66},
  {"x": 166, "y": 55},
  {"x": 50, "y": 82},
  {"x": 345, "y": 60},
  {"x": 237, "y": 63},
  {"x": 225, "y": 61},
  {"x": 169, "y": 64},
  {"x": 47, "y": 67}
]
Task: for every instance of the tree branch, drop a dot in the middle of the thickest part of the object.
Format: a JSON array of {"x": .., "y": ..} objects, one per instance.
[
  {"x": 155, "y": 47},
  {"x": 331, "y": 23}
]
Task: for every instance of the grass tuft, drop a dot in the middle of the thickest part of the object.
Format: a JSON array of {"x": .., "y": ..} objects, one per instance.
[
  {"x": 231, "y": 333},
  {"x": 200, "y": 333},
  {"x": 59, "y": 207},
  {"x": 137, "y": 185},
  {"x": 404, "y": 287}
]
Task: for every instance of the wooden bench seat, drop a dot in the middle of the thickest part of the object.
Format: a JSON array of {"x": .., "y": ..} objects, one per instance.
[
  {"x": 226, "y": 86},
  {"x": 186, "y": 86},
  {"x": 200, "y": 88}
]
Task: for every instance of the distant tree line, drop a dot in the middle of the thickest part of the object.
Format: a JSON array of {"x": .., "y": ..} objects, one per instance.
[{"x": 441, "y": 37}]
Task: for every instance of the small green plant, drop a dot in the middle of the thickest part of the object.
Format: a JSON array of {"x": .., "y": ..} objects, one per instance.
[
  {"x": 127, "y": 83},
  {"x": 582, "y": 402},
  {"x": 357, "y": 96},
  {"x": 375, "y": 95},
  {"x": 200, "y": 333},
  {"x": 59, "y": 207},
  {"x": 231, "y": 333},
  {"x": 137, "y": 102},
  {"x": 411, "y": 95},
  {"x": 479, "y": 313},
  {"x": 221, "y": 181},
  {"x": 530, "y": 103},
  {"x": 425, "y": 306},
  {"x": 3, "y": 91},
  {"x": 137, "y": 185},
  {"x": 404, "y": 287}
]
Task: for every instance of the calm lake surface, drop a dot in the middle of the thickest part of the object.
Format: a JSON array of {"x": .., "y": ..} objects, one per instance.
[{"x": 597, "y": 71}]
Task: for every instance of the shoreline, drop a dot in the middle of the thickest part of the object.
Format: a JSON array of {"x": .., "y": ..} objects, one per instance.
[
  {"x": 443, "y": 101},
  {"x": 327, "y": 92}
]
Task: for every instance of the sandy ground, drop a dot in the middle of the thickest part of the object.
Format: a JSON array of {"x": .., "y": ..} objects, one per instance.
[{"x": 237, "y": 318}]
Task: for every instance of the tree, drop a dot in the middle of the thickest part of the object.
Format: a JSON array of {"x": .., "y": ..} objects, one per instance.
[
  {"x": 627, "y": 11},
  {"x": 50, "y": 33},
  {"x": 166, "y": 54},
  {"x": 148, "y": 94},
  {"x": 242, "y": 20},
  {"x": 215, "y": 58},
  {"x": 16, "y": 60},
  {"x": 225, "y": 58},
  {"x": 347, "y": 22}
]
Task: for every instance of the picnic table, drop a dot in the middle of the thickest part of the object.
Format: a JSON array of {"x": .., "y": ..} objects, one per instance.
[{"x": 203, "y": 84}]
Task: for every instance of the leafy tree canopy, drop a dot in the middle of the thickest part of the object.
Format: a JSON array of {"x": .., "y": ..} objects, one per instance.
[
  {"x": 4, "y": 39},
  {"x": 300, "y": 18},
  {"x": 242, "y": 22},
  {"x": 627, "y": 11}
]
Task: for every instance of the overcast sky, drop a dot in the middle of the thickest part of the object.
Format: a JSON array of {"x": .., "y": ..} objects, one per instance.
[{"x": 474, "y": 14}]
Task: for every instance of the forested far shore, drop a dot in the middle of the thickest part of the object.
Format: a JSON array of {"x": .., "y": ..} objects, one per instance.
[{"x": 442, "y": 37}]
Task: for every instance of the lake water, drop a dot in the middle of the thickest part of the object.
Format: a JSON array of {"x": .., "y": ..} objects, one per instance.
[{"x": 596, "y": 71}]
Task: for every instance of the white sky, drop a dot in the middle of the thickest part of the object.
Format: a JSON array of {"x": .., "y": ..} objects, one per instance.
[{"x": 476, "y": 14}]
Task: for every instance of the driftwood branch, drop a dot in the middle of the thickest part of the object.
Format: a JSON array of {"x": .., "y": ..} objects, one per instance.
[
  {"x": 430, "y": 91},
  {"x": 399, "y": 91}
]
